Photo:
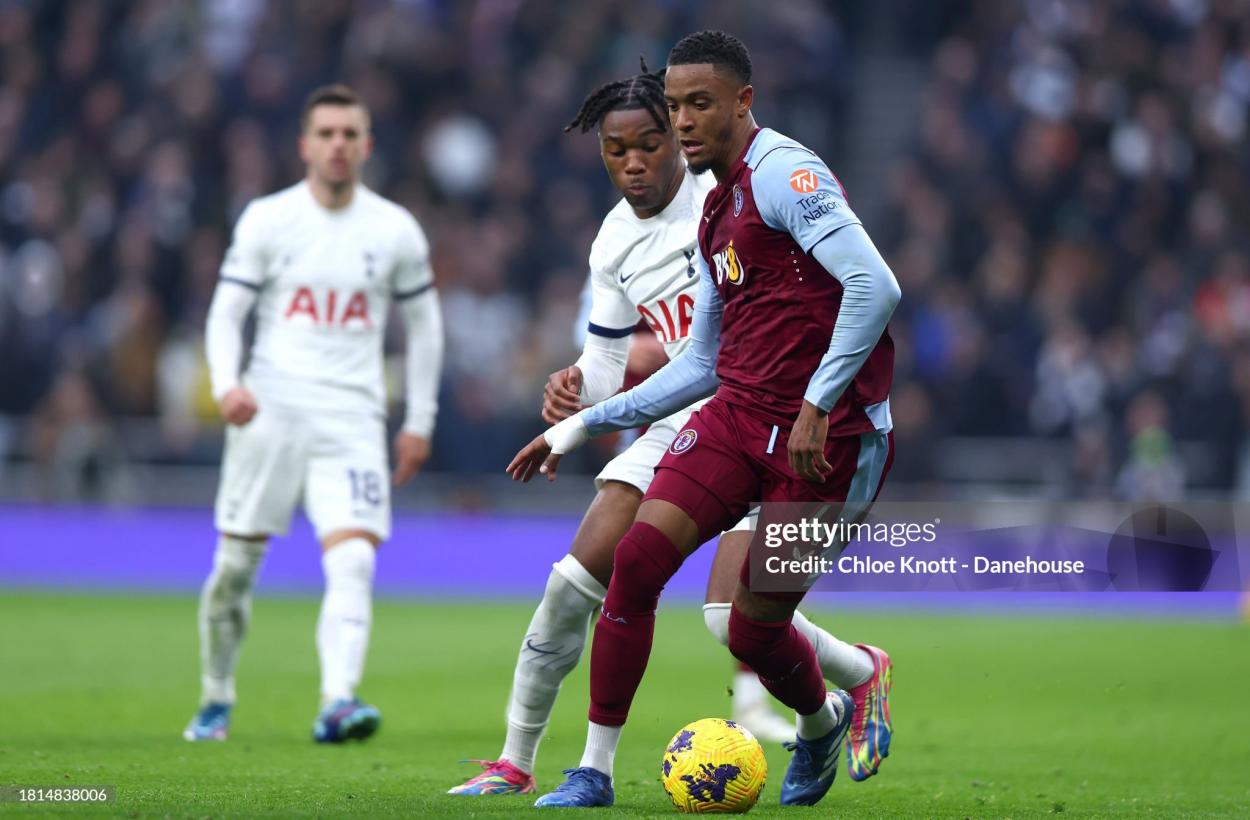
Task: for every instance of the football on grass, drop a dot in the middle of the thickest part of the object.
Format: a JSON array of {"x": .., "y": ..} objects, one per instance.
[{"x": 713, "y": 765}]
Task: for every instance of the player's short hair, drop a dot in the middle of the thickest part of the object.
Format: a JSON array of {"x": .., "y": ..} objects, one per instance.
[
  {"x": 716, "y": 47},
  {"x": 642, "y": 91},
  {"x": 335, "y": 94}
]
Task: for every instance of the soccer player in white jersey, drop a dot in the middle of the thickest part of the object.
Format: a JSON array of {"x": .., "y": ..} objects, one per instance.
[
  {"x": 641, "y": 265},
  {"x": 321, "y": 263}
]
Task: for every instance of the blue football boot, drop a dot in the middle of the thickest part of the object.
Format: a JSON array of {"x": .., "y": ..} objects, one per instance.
[
  {"x": 815, "y": 762},
  {"x": 345, "y": 720},
  {"x": 211, "y": 722},
  {"x": 583, "y": 788}
]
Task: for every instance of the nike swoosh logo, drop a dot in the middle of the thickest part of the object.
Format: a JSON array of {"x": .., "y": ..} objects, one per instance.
[
  {"x": 530, "y": 646},
  {"x": 625, "y": 278}
]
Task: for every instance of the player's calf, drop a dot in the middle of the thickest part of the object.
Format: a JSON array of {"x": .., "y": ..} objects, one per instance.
[
  {"x": 750, "y": 699},
  {"x": 551, "y": 648},
  {"x": 225, "y": 612}
]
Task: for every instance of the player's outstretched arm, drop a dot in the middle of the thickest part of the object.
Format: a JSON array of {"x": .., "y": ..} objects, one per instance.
[
  {"x": 423, "y": 319},
  {"x": 684, "y": 380}
]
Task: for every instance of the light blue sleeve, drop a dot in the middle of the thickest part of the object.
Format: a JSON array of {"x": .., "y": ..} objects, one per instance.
[
  {"x": 869, "y": 295},
  {"x": 795, "y": 192},
  {"x": 690, "y": 376}
]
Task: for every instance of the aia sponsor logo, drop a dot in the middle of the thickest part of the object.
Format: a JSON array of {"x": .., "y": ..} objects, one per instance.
[
  {"x": 684, "y": 441},
  {"x": 804, "y": 181},
  {"x": 327, "y": 311},
  {"x": 676, "y": 322},
  {"x": 728, "y": 266}
]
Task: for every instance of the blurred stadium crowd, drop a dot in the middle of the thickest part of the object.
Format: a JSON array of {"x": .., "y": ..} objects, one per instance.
[{"x": 1067, "y": 220}]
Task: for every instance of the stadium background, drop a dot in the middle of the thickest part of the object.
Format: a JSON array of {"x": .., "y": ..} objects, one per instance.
[{"x": 1061, "y": 187}]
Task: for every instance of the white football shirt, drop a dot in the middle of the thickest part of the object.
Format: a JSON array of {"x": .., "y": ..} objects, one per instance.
[
  {"x": 324, "y": 281},
  {"x": 647, "y": 268}
]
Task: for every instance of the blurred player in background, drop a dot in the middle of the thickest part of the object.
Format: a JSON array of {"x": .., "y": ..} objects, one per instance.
[
  {"x": 642, "y": 263},
  {"x": 789, "y": 332},
  {"x": 321, "y": 263}
]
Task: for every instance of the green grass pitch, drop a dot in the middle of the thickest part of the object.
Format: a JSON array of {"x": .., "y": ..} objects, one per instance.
[{"x": 995, "y": 716}]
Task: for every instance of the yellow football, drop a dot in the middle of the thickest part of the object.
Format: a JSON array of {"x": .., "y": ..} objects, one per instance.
[{"x": 713, "y": 765}]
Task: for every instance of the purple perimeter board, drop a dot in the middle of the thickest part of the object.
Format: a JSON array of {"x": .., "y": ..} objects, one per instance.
[{"x": 447, "y": 555}]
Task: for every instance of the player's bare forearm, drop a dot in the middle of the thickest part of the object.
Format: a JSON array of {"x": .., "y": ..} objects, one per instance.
[{"x": 806, "y": 447}]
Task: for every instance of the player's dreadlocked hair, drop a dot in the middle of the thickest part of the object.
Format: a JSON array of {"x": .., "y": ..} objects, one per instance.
[
  {"x": 645, "y": 91},
  {"x": 715, "y": 47}
]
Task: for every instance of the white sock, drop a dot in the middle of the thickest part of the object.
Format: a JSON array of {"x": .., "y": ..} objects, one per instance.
[
  {"x": 820, "y": 723},
  {"x": 601, "y": 743},
  {"x": 224, "y": 613},
  {"x": 346, "y": 615},
  {"x": 552, "y": 645},
  {"x": 846, "y": 665},
  {"x": 749, "y": 693}
]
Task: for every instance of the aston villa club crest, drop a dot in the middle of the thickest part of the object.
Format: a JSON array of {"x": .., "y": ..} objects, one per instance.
[
  {"x": 737, "y": 200},
  {"x": 684, "y": 441}
]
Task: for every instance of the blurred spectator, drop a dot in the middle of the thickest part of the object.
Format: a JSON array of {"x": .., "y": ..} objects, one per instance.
[
  {"x": 75, "y": 447},
  {"x": 1062, "y": 228},
  {"x": 132, "y": 135},
  {"x": 1067, "y": 222}
]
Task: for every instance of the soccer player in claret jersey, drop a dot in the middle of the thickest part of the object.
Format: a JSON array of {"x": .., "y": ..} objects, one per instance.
[
  {"x": 790, "y": 334},
  {"x": 321, "y": 262},
  {"x": 642, "y": 263}
]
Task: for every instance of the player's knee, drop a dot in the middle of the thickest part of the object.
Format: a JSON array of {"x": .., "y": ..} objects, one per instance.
[
  {"x": 237, "y": 559},
  {"x": 333, "y": 539},
  {"x": 645, "y": 560},
  {"x": 571, "y": 586},
  {"x": 350, "y": 563},
  {"x": 716, "y": 617}
]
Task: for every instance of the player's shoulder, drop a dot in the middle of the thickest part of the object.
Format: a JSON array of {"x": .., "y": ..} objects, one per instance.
[
  {"x": 269, "y": 210},
  {"x": 391, "y": 219},
  {"x": 773, "y": 155},
  {"x": 619, "y": 231},
  {"x": 781, "y": 166},
  {"x": 390, "y": 212}
]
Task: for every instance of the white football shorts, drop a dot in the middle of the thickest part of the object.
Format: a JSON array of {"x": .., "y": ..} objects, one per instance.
[
  {"x": 334, "y": 463},
  {"x": 636, "y": 464}
]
